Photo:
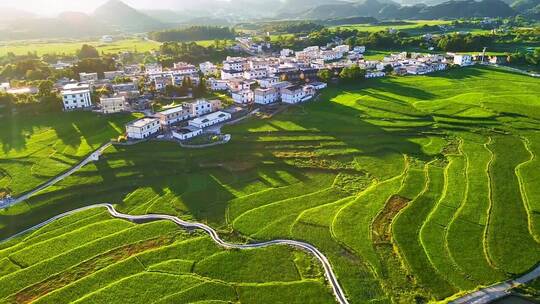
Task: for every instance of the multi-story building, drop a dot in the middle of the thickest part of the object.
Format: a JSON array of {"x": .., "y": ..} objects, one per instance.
[
  {"x": 113, "y": 104},
  {"x": 292, "y": 94},
  {"x": 208, "y": 68},
  {"x": 265, "y": 96},
  {"x": 143, "y": 128},
  {"x": 110, "y": 75},
  {"x": 88, "y": 77},
  {"x": 173, "y": 115},
  {"x": 76, "y": 96},
  {"x": 210, "y": 119},
  {"x": 255, "y": 74},
  {"x": 463, "y": 60},
  {"x": 198, "y": 108},
  {"x": 242, "y": 96}
]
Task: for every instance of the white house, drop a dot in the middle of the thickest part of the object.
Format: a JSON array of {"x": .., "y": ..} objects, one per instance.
[
  {"x": 185, "y": 68},
  {"x": 186, "y": 132},
  {"x": 217, "y": 84},
  {"x": 111, "y": 75},
  {"x": 230, "y": 74},
  {"x": 88, "y": 77},
  {"x": 375, "y": 74},
  {"x": 359, "y": 49},
  {"x": 286, "y": 53},
  {"x": 210, "y": 119},
  {"x": 199, "y": 107},
  {"x": 76, "y": 99},
  {"x": 208, "y": 68},
  {"x": 4, "y": 86},
  {"x": 242, "y": 96},
  {"x": 143, "y": 128},
  {"x": 344, "y": 48},
  {"x": 463, "y": 60},
  {"x": 107, "y": 39},
  {"x": 319, "y": 85},
  {"x": 255, "y": 74},
  {"x": 265, "y": 96},
  {"x": 292, "y": 94},
  {"x": 268, "y": 82},
  {"x": 153, "y": 68},
  {"x": 172, "y": 115},
  {"x": 234, "y": 64},
  {"x": 113, "y": 104},
  {"x": 331, "y": 55}
]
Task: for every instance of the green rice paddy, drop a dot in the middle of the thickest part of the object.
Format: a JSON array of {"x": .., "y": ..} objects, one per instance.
[{"x": 415, "y": 188}]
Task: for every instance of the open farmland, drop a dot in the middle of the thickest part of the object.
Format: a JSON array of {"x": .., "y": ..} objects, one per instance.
[
  {"x": 415, "y": 188},
  {"x": 35, "y": 148}
]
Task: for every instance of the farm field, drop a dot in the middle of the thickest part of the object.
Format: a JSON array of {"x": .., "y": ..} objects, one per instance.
[
  {"x": 70, "y": 47},
  {"x": 415, "y": 188},
  {"x": 35, "y": 148}
]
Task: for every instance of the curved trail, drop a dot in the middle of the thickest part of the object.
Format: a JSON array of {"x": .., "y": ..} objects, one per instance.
[{"x": 328, "y": 271}]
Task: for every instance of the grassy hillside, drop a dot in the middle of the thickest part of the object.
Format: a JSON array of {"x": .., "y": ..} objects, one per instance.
[{"x": 416, "y": 188}]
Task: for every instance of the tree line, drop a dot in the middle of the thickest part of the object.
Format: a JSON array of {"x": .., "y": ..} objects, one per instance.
[{"x": 194, "y": 33}]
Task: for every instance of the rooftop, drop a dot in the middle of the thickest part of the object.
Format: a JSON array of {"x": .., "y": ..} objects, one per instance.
[{"x": 143, "y": 122}]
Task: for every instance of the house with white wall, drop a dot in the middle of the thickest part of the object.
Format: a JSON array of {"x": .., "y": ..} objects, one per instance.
[
  {"x": 463, "y": 59},
  {"x": 210, "y": 119},
  {"x": 186, "y": 132},
  {"x": 173, "y": 115},
  {"x": 265, "y": 96},
  {"x": 88, "y": 77},
  {"x": 143, "y": 128},
  {"x": 76, "y": 96},
  {"x": 113, "y": 104},
  {"x": 199, "y": 107},
  {"x": 242, "y": 96},
  {"x": 292, "y": 94}
]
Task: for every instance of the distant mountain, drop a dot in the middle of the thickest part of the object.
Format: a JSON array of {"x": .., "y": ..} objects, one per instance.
[
  {"x": 524, "y": 5},
  {"x": 9, "y": 14},
  {"x": 391, "y": 10},
  {"x": 122, "y": 16},
  {"x": 167, "y": 16}
]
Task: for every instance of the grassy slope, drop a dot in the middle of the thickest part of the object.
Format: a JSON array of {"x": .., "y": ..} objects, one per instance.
[{"x": 275, "y": 171}]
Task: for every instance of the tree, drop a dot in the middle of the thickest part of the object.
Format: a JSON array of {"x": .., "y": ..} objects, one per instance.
[
  {"x": 388, "y": 68},
  {"x": 45, "y": 88},
  {"x": 352, "y": 73},
  {"x": 325, "y": 75},
  {"x": 88, "y": 51},
  {"x": 201, "y": 88}
]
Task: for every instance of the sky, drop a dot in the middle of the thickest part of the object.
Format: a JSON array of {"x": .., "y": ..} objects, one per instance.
[{"x": 53, "y": 7}]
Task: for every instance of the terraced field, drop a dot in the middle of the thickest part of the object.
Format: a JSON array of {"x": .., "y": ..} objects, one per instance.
[{"x": 415, "y": 188}]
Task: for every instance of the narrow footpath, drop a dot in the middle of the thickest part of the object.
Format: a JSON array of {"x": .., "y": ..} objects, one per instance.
[{"x": 138, "y": 219}]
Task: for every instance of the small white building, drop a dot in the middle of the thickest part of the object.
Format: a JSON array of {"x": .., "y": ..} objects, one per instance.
[
  {"x": 344, "y": 48},
  {"x": 242, "y": 96},
  {"x": 230, "y": 74},
  {"x": 463, "y": 60},
  {"x": 113, "y": 104},
  {"x": 375, "y": 74},
  {"x": 265, "y": 96},
  {"x": 88, "y": 77},
  {"x": 186, "y": 132},
  {"x": 4, "y": 86},
  {"x": 292, "y": 94},
  {"x": 76, "y": 99},
  {"x": 318, "y": 85},
  {"x": 234, "y": 64},
  {"x": 217, "y": 84},
  {"x": 359, "y": 49},
  {"x": 268, "y": 82},
  {"x": 286, "y": 53},
  {"x": 210, "y": 119},
  {"x": 107, "y": 39},
  {"x": 208, "y": 68},
  {"x": 255, "y": 74},
  {"x": 153, "y": 68},
  {"x": 111, "y": 75},
  {"x": 143, "y": 128},
  {"x": 199, "y": 107},
  {"x": 173, "y": 115}
]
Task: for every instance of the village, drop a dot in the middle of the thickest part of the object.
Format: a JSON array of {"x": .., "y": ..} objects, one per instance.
[{"x": 255, "y": 81}]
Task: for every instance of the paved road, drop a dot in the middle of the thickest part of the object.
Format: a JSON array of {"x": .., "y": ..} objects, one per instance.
[
  {"x": 94, "y": 156},
  {"x": 497, "y": 291},
  {"x": 328, "y": 271}
]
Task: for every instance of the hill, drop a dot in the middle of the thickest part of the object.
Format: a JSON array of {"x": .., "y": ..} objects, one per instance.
[
  {"x": 391, "y": 10},
  {"x": 122, "y": 16}
]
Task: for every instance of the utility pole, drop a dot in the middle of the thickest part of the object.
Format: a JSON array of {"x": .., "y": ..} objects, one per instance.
[{"x": 483, "y": 54}]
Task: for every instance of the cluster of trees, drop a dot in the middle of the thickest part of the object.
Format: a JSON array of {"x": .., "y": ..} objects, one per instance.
[
  {"x": 187, "y": 87},
  {"x": 292, "y": 27},
  {"x": 172, "y": 52},
  {"x": 194, "y": 33},
  {"x": 458, "y": 42},
  {"x": 525, "y": 58},
  {"x": 347, "y": 75}
]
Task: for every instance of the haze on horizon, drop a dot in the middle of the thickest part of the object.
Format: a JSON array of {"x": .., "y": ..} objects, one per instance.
[{"x": 54, "y": 7}]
